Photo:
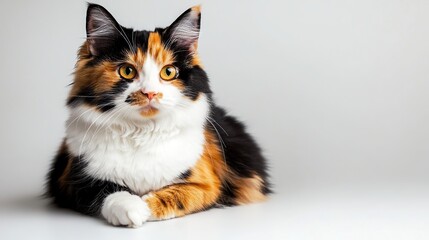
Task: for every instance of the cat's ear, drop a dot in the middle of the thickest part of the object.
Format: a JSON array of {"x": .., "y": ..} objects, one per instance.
[
  {"x": 185, "y": 30},
  {"x": 101, "y": 29}
]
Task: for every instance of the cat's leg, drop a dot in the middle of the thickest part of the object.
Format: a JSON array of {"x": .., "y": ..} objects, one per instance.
[
  {"x": 181, "y": 199},
  {"x": 198, "y": 191}
]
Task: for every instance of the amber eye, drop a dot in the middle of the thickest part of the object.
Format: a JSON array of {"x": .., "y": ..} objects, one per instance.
[
  {"x": 169, "y": 72},
  {"x": 127, "y": 71}
]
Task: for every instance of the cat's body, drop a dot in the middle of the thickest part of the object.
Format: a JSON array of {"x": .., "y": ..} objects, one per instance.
[{"x": 144, "y": 139}]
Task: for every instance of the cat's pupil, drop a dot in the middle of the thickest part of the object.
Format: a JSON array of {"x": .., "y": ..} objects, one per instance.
[
  {"x": 168, "y": 71},
  {"x": 128, "y": 70}
]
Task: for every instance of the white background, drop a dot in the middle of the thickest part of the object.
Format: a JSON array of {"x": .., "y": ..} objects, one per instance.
[{"x": 335, "y": 91}]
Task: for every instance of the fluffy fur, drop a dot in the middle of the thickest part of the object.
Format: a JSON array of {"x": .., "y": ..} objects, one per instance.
[{"x": 147, "y": 148}]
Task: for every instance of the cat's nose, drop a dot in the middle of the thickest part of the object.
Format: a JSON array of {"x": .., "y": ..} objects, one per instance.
[{"x": 150, "y": 95}]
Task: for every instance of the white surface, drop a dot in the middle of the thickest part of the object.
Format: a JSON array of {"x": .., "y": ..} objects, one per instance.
[
  {"x": 335, "y": 91},
  {"x": 348, "y": 212}
]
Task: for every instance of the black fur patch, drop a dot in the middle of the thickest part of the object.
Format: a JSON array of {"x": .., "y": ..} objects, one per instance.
[
  {"x": 228, "y": 194},
  {"x": 162, "y": 201},
  {"x": 196, "y": 82},
  {"x": 179, "y": 204},
  {"x": 185, "y": 175},
  {"x": 243, "y": 154}
]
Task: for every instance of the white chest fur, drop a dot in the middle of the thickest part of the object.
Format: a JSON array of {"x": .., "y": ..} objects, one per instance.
[{"x": 141, "y": 159}]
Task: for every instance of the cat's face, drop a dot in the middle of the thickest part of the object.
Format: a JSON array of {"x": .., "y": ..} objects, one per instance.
[{"x": 139, "y": 75}]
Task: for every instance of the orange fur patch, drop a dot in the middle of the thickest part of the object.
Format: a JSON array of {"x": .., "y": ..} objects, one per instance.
[
  {"x": 107, "y": 76},
  {"x": 178, "y": 84},
  {"x": 156, "y": 49},
  {"x": 197, "y": 8},
  {"x": 100, "y": 78},
  {"x": 138, "y": 98},
  {"x": 249, "y": 190},
  {"x": 136, "y": 59},
  {"x": 196, "y": 60},
  {"x": 149, "y": 112}
]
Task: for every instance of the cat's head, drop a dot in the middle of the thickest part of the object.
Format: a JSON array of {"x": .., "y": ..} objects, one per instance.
[{"x": 139, "y": 75}]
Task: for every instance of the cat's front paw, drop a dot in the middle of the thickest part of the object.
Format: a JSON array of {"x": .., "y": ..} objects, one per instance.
[{"x": 123, "y": 208}]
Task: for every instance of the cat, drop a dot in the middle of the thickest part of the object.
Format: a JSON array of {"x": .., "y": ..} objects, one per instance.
[{"x": 145, "y": 140}]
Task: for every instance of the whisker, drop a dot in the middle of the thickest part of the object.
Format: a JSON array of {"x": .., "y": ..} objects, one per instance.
[
  {"x": 111, "y": 114},
  {"x": 102, "y": 105},
  {"x": 218, "y": 125},
  {"x": 86, "y": 133},
  {"x": 108, "y": 117},
  {"x": 222, "y": 143}
]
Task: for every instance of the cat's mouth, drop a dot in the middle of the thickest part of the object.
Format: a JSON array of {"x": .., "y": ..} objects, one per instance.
[
  {"x": 146, "y": 107},
  {"x": 148, "y": 111}
]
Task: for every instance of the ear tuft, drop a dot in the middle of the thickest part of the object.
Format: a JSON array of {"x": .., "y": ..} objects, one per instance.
[
  {"x": 101, "y": 28},
  {"x": 184, "y": 32}
]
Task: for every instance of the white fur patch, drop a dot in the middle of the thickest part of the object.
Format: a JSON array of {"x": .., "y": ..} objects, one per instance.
[
  {"x": 122, "y": 208},
  {"x": 142, "y": 154},
  {"x": 151, "y": 81}
]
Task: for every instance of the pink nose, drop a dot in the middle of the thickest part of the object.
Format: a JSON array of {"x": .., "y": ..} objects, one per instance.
[{"x": 150, "y": 95}]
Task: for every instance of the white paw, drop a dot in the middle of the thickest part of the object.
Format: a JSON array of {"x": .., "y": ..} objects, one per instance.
[{"x": 123, "y": 208}]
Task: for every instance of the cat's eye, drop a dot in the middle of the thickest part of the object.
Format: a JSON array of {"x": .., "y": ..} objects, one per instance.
[
  {"x": 127, "y": 71},
  {"x": 169, "y": 72}
]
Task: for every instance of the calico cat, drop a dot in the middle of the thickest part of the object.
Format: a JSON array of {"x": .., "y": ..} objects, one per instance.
[{"x": 144, "y": 139}]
